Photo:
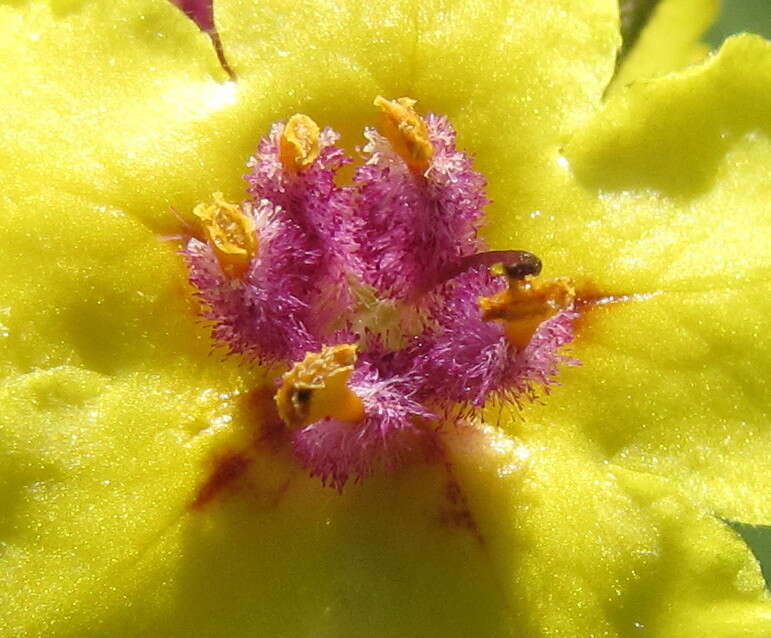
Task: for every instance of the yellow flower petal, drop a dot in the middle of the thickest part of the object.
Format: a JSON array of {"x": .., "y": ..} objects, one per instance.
[
  {"x": 590, "y": 549},
  {"x": 657, "y": 170},
  {"x": 668, "y": 42},
  {"x": 669, "y": 134},
  {"x": 120, "y": 102},
  {"x": 95, "y": 468},
  {"x": 515, "y": 78},
  {"x": 86, "y": 285},
  {"x": 676, "y": 385},
  {"x": 674, "y": 381},
  {"x": 518, "y": 537}
]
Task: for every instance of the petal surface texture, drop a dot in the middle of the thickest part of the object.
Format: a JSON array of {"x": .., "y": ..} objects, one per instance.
[
  {"x": 115, "y": 416},
  {"x": 120, "y": 102},
  {"x": 678, "y": 170}
]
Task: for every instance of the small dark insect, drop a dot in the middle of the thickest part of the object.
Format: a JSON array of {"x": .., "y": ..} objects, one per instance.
[
  {"x": 527, "y": 264},
  {"x": 516, "y": 264},
  {"x": 303, "y": 395}
]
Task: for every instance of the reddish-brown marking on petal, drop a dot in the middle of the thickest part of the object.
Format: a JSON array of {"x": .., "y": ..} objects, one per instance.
[
  {"x": 456, "y": 512},
  {"x": 586, "y": 299},
  {"x": 589, "y": 298},
  {"x": 281, "y": 492},
  {"x": 227, "y": 470}
]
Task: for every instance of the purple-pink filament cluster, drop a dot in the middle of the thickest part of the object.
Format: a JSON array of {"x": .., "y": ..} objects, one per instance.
[{"x": 386, "y": 262}]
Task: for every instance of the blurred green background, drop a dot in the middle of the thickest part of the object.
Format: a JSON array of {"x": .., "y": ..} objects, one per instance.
[
  {"x": 755, "y": 16},
  {"x": 741, "y": 15}
]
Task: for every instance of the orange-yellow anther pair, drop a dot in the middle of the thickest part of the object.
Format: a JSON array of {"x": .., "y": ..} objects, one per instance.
[
  {"x": 299, "y": 143},
  {"x": 407, "y": 131},
  {"x": 525, "y": 305},
  {"x": 231, "y": 232},
  {"x": 316, "y": 388},
  {"x": 400, "y": 124}
]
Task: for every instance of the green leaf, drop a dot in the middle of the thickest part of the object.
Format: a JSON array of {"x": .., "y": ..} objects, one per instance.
[{"x": 758, "y": 537}]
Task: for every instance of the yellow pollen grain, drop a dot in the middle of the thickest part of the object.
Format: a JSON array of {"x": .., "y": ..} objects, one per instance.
[
  {"x": 316, "y": 388},
  {"x": 230, "y": 231},
  {"x": 526, "y": 304},
  {"x": 299, "y": 143},
  {"x": 401, "y": 125}
]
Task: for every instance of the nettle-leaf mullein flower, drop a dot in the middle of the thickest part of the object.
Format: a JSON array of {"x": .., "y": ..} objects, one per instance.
[
  {"x": 289, "y": 325},
  {"x": 375, "y": 295}
]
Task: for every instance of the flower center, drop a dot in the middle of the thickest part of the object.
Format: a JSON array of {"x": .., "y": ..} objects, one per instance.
[{"x": 401, "y": 241}]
